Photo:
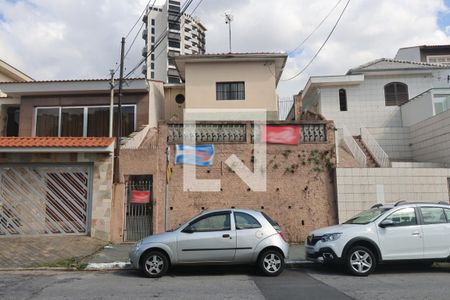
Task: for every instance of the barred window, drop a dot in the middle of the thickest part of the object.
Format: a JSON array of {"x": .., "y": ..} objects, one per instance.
[
  {"x": 395, "y": 93},
  {"x": 230, "y": 90}
]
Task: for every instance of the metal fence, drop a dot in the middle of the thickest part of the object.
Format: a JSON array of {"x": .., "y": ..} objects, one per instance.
[
  {"x": 44, "y": 200},
  {"x": 284, "y": 107}
]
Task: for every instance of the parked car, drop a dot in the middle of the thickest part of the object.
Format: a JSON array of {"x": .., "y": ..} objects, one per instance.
[
  {"x": 229, "y": 236},
  {"x": 418, "y": 232}
]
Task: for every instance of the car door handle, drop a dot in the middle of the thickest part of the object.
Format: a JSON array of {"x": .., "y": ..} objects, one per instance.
[
  {"x": 226, "y": 236},
  {"x": 416, "y": 233}
]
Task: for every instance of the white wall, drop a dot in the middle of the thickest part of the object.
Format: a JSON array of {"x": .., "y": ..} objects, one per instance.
[
  {"x": 395, "y": 141},
  {"x": 366, "y": 102},
  {"x": 357, "y": 187},
  {"x": 431, "y": 139},
  {"x": 418, "y": 109}
]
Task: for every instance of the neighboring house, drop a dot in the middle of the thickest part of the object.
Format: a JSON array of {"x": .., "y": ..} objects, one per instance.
[
  {"x": 186, "y": 35},
  {"x": 56, "y": 177},
  {"x": 9, "y": 106},
  {"x": 394, "y": 137},
  {"x": 226, "y": 81},
  {"x": 9, "y": 73},
  {"x": 436, "y": 54}
]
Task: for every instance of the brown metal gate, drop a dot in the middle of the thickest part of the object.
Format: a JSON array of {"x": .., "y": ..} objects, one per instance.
[
  {"x": 44, "y": 199},
  {"x": 138, "y": 223}
]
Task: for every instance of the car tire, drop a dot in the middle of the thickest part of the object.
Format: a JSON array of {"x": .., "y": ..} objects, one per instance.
[
  {"x": 154, "y": 264},
  {"x": 360, "y": 261},
  {"x": 271, "y": 262}
]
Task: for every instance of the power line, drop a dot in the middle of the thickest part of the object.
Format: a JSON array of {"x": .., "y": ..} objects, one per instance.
[
  {"x": 316, "y": 28},
  {"x": 132, "y": 28},
  {"x": 162, "y": 36},
  {"x": 321, "y": 47}
]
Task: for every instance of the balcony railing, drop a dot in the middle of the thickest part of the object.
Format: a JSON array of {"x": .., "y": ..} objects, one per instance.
[
  {"x": 375, "y": 149},
  {"x": 236, "y": 133}
]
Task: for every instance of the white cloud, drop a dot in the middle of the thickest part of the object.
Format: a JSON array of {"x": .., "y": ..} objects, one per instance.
[{"x": 81, "y": 38}]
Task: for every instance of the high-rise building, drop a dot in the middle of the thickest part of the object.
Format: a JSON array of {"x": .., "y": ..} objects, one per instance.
[{"x": 169, "y": 32}]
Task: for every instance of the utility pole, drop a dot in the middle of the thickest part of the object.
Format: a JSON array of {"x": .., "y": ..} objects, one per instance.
[
  {"x": 111, "y": 105},
  {"x": 228, "y": 20},
  {"x": 117, "y": 178}
]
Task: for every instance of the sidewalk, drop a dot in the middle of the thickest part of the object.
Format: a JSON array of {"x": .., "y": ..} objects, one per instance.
[{"x": 113, "y": 257}]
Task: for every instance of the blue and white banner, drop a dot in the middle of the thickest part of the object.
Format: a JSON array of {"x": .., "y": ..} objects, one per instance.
[{"x": 200, "y": 155}]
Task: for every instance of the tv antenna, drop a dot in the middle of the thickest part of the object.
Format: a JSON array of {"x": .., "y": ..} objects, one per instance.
[{"x": 228, "y": 20}]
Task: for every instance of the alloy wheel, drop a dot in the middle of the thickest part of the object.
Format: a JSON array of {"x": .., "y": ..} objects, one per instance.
[
  {"x": 154, "y": 264},
  {"x": 361, "y": 261},
  {"x": 272, "y": 263}
]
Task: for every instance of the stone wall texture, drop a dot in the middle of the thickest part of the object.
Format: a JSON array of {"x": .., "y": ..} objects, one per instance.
[{"x": 300, "y": 192}]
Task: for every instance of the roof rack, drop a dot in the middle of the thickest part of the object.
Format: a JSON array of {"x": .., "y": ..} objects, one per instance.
[
  {"x": 399, "y": 202},
  {"x": 444, "y": 203},
  {"x": 377, "y": 205}
]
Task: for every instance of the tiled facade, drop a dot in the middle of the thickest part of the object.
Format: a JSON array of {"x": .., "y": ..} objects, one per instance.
[
  {"x": 360, "y": 188},
  {"x": 366, "y": 102},
  {"x": 395, "y": 141}
]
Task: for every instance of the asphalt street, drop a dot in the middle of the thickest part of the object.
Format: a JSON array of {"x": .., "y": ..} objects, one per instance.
[{"x": 314, "y": 282}]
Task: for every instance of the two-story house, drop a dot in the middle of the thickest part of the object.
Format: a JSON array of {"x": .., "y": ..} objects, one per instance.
[{"x": 394, "y": 140}]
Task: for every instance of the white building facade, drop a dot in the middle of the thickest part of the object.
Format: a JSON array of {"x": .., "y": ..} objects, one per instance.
[
  {"x": 168, "y": 33},
  {"x": 397, "y": 115}
]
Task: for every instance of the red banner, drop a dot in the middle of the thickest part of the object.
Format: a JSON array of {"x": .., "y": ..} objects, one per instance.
[
  {"x": 140, "y": 197},
  {"x": 287, "y": 135}
]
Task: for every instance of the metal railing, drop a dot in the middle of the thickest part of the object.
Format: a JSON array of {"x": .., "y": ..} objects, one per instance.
[
  {"x": 354, "y": 148},
  {"x": 375, "y": 149}
]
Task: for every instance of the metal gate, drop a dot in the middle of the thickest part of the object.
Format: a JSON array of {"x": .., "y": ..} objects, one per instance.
[
  {"x": 139, "y": 208},
  {"x": 44, "y": 200}
]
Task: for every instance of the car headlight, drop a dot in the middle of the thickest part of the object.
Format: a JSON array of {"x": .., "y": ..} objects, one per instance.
[{"x": 329, "y": 237}]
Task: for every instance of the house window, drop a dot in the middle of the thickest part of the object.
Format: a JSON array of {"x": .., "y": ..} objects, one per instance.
[
  {"x": 395, "y": 93},
  {"x": 47, "y": 122},
  {"x": 153, "y": 22},
  {"x": 82, "y": 121},
  {"x": 342, "y": 100},
  {"x": 230, "y": 90}
]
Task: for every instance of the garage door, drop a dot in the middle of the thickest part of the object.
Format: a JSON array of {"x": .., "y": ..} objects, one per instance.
[{"x": 44, "y": 200}]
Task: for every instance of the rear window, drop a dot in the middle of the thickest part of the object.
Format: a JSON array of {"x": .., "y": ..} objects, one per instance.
[
  {"x": 447, "y": 212},
  {"x": 272, "y": 222}
]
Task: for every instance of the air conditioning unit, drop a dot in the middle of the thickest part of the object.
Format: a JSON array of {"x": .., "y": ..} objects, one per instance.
[
  {"x": 145, "y": 34},
  {"x": 144, "y": 52}
]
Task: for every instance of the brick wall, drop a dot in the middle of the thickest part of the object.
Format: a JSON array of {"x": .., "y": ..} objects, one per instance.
[{"x": 300, "y": 188}]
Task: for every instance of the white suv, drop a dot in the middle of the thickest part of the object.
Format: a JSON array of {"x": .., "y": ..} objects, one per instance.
[{"x": 385, "y": 233}]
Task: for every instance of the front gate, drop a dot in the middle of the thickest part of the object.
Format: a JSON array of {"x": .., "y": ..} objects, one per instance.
[
  {"x": 44, "y": 200},
  {"x": 138, "y": 222}
]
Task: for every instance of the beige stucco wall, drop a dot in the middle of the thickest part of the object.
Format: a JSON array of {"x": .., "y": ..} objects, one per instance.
[
  {"x": 5, "y": 78},
  {"x": 172, "y": 110},
  {"x": 259, "y": 78}
]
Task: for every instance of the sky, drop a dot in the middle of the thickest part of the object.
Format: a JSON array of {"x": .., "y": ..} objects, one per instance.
[{"x": 78, "y": 39}]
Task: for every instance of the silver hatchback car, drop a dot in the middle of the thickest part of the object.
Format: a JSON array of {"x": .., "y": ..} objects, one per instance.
[{"x": 228, "y": 236}]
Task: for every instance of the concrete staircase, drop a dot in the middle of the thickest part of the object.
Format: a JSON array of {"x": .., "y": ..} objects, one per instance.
[{"x": 371, "y": 162}]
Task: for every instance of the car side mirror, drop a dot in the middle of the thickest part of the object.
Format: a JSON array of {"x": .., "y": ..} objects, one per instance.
[
  {"x": 188, "y": 229},
  {"x": 386, "y": 223}
]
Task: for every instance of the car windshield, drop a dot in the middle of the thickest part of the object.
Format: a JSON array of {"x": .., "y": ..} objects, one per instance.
[{"x": 367, "y": 216}]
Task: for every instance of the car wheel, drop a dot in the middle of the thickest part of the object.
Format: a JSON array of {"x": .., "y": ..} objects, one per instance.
[
  {"x": 155, "y": 264},
  {"x": 360, "y": 261},
  {"x": 271, "y": 262}
]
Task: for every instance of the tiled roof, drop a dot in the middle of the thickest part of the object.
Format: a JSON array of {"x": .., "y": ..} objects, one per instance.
[
  {"x": 55, "y": 142},
  {"x": 394, "y": 62},
  {"x": 77, "y": 80}
]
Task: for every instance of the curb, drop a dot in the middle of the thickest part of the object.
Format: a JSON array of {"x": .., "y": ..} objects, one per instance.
[
  {"x": 122, "y": 265},
  {"x": 292, "y": 264}
]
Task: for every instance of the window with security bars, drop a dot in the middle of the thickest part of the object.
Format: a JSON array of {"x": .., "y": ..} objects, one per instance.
[
  {"x": 230, "y": 90},
  {"x": 395, "y": 93}
]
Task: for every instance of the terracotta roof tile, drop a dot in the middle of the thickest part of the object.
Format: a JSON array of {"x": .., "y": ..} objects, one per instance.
[{"x": 55, "y": 142}]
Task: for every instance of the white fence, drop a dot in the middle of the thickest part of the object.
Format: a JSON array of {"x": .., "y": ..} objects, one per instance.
[
  {"x": 354, "y": 148},
  {"x": 375, "y": 149}
]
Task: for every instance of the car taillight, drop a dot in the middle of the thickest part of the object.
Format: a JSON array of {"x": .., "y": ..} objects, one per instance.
[{"x": 282, "y": 236}]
